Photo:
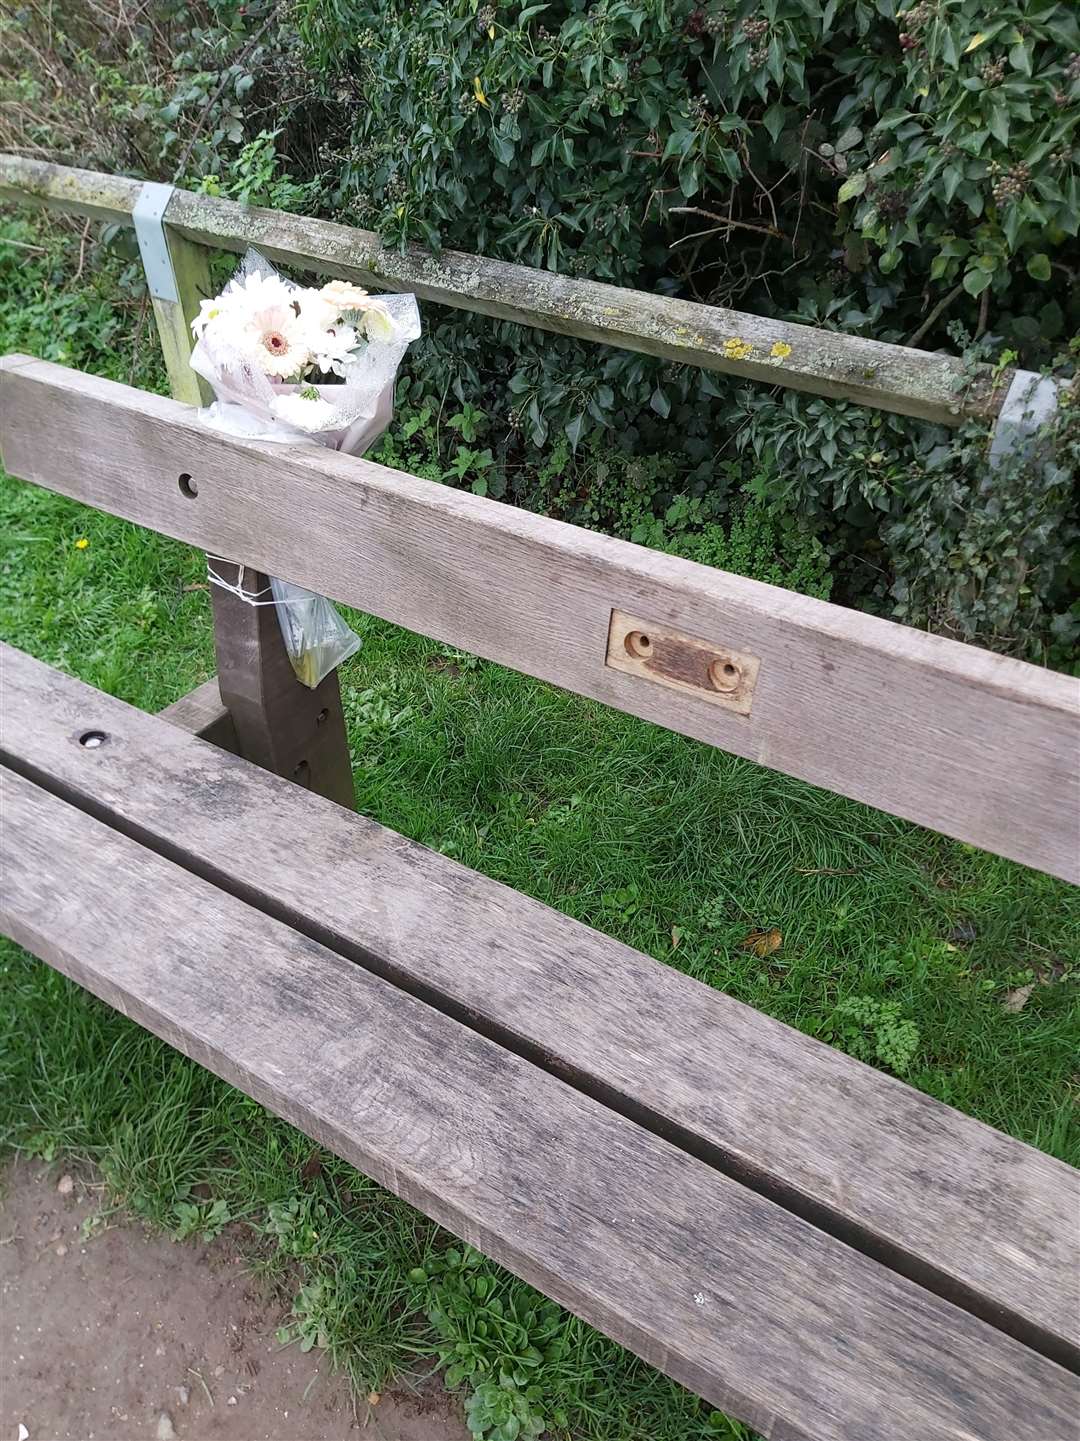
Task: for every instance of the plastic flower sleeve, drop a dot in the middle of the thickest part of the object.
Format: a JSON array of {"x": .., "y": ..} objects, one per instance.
[{"x": 348, "y": 416}]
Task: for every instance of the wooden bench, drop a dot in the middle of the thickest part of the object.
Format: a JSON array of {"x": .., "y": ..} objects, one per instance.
[{"x": 806, "y": 1242}]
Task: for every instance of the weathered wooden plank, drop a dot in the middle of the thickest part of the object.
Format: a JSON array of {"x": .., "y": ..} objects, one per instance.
[
  {"x": 745, "y": 1303},
  {"x": 201, "y": 713},
  {"x": 191, "y": 267},
  {"x": 823, "y": 362},
  {"x": 977, "y": 1216},
  {"x": 294, "y": 730},
  {"x": 975, "y": 745}
]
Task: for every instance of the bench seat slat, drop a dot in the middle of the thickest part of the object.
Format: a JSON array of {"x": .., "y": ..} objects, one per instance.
[
  {"x": 975, "y": 745},
  {"x": 979, "y": 1215},
  {"x": 751, "y": 1307}
]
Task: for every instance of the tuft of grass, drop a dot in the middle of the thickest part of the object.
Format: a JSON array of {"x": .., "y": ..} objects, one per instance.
[{"x": 894, "y": 943}]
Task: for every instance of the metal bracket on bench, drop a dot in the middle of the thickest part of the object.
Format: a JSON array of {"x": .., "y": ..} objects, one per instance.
[
  {"x": 1030, "y": 402},
  {"x": 148, "y": 215}
]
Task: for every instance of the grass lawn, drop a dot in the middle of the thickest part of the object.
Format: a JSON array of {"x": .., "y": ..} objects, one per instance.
[{"x": 897, "y": 945}]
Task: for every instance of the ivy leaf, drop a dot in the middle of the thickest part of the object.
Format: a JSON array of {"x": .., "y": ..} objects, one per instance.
[
  {"x": 889, "y": 261},
  {"x": 999, "y": 124},
  {"x": 850, "y": 138},
  {"x": 853, "y": 186},
  {"x": 1038, "y": 267},
  {"x": 773, "y": 120},
  {"x": 573, "y": 431},
  {"x": 660, "y": 403},
  {"x": 1020, "y": 59},
  {"x": 976, "y": 281},
  {"x": 979, "y": 38}
]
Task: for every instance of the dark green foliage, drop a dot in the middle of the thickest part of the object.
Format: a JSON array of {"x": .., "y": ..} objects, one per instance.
[{"x": 878, "y": 168}]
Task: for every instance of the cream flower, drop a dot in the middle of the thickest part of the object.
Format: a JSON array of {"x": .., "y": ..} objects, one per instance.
[
  {"x": 278, "y": 340},
  {"x": 344, "y": 295},
  {"x": 304, "y": 413}
]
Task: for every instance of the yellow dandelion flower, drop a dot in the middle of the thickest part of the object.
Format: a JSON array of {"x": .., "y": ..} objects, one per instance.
[
  {"x": 781, "y": 350},
  {"x": 81, "y": 543}
]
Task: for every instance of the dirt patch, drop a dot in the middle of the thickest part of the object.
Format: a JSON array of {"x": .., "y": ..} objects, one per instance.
[{"x": 129, "y": 1335}]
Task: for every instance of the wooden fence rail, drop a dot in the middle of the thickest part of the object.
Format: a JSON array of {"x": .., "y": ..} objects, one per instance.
[
  {"x": 889, "y": 377},
  {"x": 975, "y": 745}
]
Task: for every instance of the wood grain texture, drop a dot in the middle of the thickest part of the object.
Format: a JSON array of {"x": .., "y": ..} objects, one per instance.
[
  {"x": 975, "y": 745},
  {"x": 201, "y": 713},
  {"x": 294, "y": 730},
  {"x": 982, "y": 1217},
  {"x": 749, "y": 1306},
  {"x": 889, "y": 377},
  {"x": 191, "y": 267}
]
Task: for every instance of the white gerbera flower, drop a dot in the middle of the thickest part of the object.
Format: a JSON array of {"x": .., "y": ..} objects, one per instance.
[
  {"x": 303, "y": 412},
  {"x": 256, "y": 291},
  {"x": 278, "y": 340}
]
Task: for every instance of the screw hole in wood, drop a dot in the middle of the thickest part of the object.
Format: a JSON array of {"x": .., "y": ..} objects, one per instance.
[
  {"x": 93, "y": 740},
  {"x": 322, "y": 717},
  {"x": 189, "y": 488},
  {"x": 302, "y": 774},
  {"x": 724, "y": 675},
  {"x": 638, "y": 644}
]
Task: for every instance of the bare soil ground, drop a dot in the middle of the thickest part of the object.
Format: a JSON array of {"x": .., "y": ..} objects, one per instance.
[{"x": 128, "y": 1335}]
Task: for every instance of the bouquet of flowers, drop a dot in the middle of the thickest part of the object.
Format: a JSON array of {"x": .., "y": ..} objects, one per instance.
[{"x": 294, "y": 363}]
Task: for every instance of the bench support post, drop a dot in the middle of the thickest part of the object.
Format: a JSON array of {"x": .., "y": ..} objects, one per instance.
[
  {"x": 280, "y": 724},
  {"x": 273, "y": 720}
]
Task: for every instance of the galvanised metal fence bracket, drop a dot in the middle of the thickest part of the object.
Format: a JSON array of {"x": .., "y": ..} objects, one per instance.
[
  {"x": 149, "y": 215},
  {"x": 1030, "y": 402}
]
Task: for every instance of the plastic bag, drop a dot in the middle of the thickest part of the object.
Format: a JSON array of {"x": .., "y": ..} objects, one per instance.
[{"x": 352, "y": 417}]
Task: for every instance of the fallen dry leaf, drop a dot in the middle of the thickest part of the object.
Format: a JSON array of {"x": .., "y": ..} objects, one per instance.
[
  {"x": 763, "y": 943},
  {"x": 374, "y": 1397},
  {"x": 197, "y": 585},
  {"x": 1016, "y": 1000}
]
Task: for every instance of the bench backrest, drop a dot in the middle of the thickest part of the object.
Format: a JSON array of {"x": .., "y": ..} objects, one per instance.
[{"x": 975, "y": 745}]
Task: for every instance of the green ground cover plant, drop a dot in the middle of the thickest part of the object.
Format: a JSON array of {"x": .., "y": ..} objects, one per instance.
[{"x": 939, "y": 963}]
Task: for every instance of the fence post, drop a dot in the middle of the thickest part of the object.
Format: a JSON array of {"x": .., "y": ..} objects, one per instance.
[{"x": 280, "y": 724}]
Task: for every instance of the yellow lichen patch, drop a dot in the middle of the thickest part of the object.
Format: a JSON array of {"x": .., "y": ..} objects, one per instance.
[
  {"x": 736, "y": 349},
  {"x": 780, "y": 351}
]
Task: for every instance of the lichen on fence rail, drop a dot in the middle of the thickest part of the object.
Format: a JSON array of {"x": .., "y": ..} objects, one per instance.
[{"x": 801, "y": 357}]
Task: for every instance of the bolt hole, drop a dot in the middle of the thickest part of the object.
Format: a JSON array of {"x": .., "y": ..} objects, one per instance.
[
  {"x": 322, "y": 717},
  {"x": 302, "y": 774},
  {"x": 93, "y": 739},
  {"x": 188, "y": 487},
  {"x": 638, "y": 644},
  {"x": 724, "y": 675}
]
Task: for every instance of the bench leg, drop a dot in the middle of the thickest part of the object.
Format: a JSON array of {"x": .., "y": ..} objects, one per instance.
[{"x": 280, "y": 724}]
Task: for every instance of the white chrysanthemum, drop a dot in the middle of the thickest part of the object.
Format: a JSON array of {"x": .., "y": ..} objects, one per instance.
[
  {"x": 276, "y": 337},
  {"x": 304, "y": 413},
  {"x": 333, "y": 348},
  {"x": 209, "y": 311}
]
